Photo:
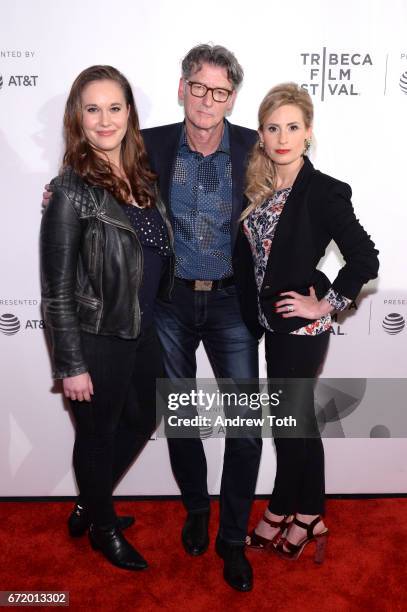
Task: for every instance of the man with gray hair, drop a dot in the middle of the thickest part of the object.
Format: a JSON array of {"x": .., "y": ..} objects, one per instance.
[{"x": 201, "y": 167}]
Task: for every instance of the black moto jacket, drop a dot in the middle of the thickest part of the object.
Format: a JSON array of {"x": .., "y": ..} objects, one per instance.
[{"x": 91, "y": 269}]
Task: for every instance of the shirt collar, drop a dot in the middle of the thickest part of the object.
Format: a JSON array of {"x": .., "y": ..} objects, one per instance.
[{"x": 224, "y": 145}]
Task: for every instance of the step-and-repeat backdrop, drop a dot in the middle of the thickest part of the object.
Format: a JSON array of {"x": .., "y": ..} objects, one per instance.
[{"x": 352, "y": 58}]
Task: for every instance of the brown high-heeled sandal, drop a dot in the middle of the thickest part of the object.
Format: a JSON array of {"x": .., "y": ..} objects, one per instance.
[
  {"x": 258, "y": 542},
  {"x": 286, "y": 550}
]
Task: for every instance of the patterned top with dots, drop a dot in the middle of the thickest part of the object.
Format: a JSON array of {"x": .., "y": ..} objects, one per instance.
[
  {"x": 201, "y": 209},
  {"x": 152, "y": 234}
]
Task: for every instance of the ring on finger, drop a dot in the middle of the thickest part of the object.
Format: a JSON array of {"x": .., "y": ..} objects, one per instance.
[{"x": 290, "y": 308}]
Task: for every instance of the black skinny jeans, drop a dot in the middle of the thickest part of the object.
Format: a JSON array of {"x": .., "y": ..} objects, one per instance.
[
  {"x": 113, "y": 428},
  {"x": 299, "y": 484}
]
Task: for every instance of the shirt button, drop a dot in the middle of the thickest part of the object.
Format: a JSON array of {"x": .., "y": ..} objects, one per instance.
[
  {"x": 200, "y": 187},
  {"x": 200, "y": 237}
]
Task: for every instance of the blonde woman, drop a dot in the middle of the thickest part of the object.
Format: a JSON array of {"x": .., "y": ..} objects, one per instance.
[{"x": 293, "y": 213}]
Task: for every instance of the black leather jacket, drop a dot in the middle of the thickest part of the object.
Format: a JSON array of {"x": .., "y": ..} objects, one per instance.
[{"x": 91, "y": 270}]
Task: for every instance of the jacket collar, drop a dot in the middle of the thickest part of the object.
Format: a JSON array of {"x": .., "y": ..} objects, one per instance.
[
  {"x": 223, "y": 146},
  {"x": 111, "y": 211},
  {"x": 302, "y": 179}
]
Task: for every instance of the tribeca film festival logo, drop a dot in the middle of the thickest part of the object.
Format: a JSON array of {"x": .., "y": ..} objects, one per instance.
[{"x": 331, "y": 73}]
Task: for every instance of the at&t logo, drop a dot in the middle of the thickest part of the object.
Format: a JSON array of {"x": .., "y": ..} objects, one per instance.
[
  {"x": 403, "y": 82},
  {"x": 393, "y": 323},
  {"x": 9, "y": 324},
  {"x": 19, "y": 80}
]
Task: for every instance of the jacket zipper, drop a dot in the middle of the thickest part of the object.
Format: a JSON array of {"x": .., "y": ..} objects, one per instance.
[
  {"x": 139, "y": 254},
  {"x": 171, "y": 237},
  {"x": 86, "y": 300},
  {"x": 93, "y": 250}
]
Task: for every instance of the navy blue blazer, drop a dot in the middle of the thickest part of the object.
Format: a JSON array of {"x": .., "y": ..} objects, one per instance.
[{"x": 162, "y": 146}]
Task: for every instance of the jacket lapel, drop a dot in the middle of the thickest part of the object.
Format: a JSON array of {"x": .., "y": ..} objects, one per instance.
[
  {"x": 164, "y": 163},
  {"x": 288, "y": 227},
  {"x": 111, "y": 211},
  {"x": 238, "y": 156}
]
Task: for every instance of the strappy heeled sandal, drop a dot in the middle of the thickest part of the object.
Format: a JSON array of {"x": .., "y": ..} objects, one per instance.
[
  {"x": 255, "y": 541},
  {"x": 286, "y": 550}
]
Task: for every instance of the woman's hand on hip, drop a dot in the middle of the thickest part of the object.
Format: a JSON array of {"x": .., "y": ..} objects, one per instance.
[
  {"x": 294, "y": 304},
  {"x": 78, "y": 387}
]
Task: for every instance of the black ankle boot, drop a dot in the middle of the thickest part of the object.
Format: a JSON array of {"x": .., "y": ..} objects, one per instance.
[
  {"x": 112, "y": 543},
  {"x": 194, "y": 535},
  {"x": 79, "y": 521},
  {"x": 237, "y": 570}
]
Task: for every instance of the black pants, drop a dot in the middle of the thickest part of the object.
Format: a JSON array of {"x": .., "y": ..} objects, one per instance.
[
  {"x": 300, "y": 478},
  {"x": 113, "y": 428},
  {"x": 214, "y": 318}
]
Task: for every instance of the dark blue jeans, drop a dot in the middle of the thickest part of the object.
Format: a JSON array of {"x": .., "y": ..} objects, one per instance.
[{"x": 214, "y": 319}]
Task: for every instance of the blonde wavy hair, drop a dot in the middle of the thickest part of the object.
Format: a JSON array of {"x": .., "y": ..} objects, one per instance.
[{"x": 261, "y": 173}]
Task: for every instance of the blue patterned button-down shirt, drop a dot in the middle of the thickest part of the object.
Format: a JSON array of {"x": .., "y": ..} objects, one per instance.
[{"x": 201, "y": 208}]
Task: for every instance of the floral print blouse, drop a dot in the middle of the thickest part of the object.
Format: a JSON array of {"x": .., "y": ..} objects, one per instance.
[{"x": 260, "y": 227}]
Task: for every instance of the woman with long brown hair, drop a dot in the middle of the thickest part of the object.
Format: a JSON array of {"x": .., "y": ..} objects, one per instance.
[
  {"x": 293, "y": 213},
  {"x": 106, "y": 252}
]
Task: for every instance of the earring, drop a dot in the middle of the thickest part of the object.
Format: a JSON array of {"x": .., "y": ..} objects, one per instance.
[
  {"x": 307, "y": 145},
  {"x": 261, "y": 144}
]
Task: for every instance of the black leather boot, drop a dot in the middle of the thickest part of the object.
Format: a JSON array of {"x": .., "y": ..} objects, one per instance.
[
  {"x": 78, "y": 522},
  {"x": 112, "y": 543},
  {"x": 194, "y": 535},
  {"x": 237, "y": 570}
]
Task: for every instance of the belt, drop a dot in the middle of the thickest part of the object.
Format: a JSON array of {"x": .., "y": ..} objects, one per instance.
[{"x": 206, "y": 285}]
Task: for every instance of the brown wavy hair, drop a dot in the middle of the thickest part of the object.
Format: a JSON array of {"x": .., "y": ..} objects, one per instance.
[
  {"x": 261, "y": 174},
  {"x": 96, "y": 170}
]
